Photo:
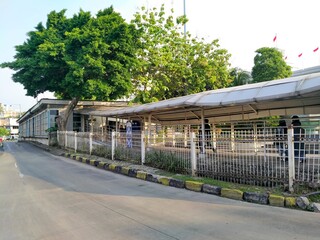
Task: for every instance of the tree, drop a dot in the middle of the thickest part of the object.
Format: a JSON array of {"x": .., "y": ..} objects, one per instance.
[
  {"x": 269, "y": 64},
  {"x": 82, "y": 57},
  {"x": 173, "y": 64},
  {"x": 240, "y": 77},
  {"x": 4, "y": 132}
]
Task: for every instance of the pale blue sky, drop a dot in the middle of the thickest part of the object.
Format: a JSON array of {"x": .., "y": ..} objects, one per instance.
[{"x": 241, "y": 27}]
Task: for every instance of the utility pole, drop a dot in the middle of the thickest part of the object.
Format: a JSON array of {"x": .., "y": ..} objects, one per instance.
[{"x": 184, "y": 13}]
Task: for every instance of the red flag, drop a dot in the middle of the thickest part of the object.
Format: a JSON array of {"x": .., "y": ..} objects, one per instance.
[
  {"x": 300, "y": 55},
  {"x": 316, "y": 49},
  {"x": 275, "y": 38}
]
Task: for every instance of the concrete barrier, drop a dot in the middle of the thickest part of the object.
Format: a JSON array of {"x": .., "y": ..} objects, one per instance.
[
  {"x": 232, "y": 193},
  {"x": 194, "y": 186}
]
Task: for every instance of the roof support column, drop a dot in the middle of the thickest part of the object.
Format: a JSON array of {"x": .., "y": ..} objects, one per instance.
[
  {"x": 149, "y": 130},
  {"x": 291, "y": 158},
  {"x": 202, "y": 137},
  {"x": 117, "y": 134}
]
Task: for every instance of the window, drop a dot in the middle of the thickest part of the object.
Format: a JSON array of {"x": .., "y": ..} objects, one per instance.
[
  {"x": 76, "y": 122},
  {"x": 53, "y": 115}
]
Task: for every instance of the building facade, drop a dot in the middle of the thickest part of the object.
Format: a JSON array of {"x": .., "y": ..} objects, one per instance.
[
  {"x": 40, "y": 120},
  {"x": 11, "y": 125}
]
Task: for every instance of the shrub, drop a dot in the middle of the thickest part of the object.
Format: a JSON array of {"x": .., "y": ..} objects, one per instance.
[
  {"x": 102, "y": 151},
  {"x": 168, "y": 161}
]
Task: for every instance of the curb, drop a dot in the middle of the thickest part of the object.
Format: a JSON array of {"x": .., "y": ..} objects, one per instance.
[
  {"x": 194, "y": 186},
  {"x": 252, "y": 197},
  {"x": 277, "y": 201},
  {"x": 232, "y": 193}
]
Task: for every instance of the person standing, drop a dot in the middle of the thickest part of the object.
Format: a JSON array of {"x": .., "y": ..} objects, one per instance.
[
  {"x": 281, "y": 139},
  {"x": 298, "y": 138},
  {"x": 207, "y": 137},
  {"x": 129, "y": 134}
]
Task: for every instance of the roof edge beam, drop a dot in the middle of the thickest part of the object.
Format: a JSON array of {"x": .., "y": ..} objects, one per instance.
[{"x": 253, "y": 109}]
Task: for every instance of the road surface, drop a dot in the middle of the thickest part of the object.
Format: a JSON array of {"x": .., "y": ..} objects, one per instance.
[{"x": 46, "y": 197}]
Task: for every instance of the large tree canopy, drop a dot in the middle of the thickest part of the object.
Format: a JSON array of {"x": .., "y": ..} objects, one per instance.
[
  {"x": 104, "y": 58},
  {"x": 173, "y": 64},
  {"x": 269, "y": 64},
  {"x": 83, "y": 57}
]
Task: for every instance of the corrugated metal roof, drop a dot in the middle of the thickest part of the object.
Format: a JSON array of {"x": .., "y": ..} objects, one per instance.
[
  {"x": 86, "y": 107},
  {"x": 96, "y": 111},
  {"x": 300, "y": 94}
]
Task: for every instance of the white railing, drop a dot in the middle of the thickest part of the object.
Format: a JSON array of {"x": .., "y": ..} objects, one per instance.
[{"x": 252, "y": 153}]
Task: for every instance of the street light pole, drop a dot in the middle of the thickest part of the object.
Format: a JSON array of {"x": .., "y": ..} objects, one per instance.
[{"x": 184, "y": 13}]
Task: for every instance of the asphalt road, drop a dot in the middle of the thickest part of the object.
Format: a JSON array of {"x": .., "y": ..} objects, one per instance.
[{"x": 44, "y": 197}]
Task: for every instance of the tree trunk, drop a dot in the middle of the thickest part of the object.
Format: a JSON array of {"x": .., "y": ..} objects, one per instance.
[{"x": 62, "y": 120}]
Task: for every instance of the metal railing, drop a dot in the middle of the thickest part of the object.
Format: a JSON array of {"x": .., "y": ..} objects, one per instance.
[{"x": 256, "y": 153}]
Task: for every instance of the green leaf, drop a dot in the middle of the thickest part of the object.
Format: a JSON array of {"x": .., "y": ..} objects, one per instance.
[
  {"x": 269, "y": 64},
  {"x": 82, "y": 57}
]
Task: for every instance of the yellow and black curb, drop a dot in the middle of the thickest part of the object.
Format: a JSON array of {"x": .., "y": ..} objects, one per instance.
[{"x": 253, "y": 197}]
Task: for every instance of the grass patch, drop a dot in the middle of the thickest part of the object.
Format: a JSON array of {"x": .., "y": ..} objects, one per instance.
[
  {"x": 242, "y": 187},
  {"x": 314, "y": 197}
]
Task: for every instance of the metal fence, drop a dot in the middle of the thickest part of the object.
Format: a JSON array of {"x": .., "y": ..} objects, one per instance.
[{"x": 256, "y": 153}]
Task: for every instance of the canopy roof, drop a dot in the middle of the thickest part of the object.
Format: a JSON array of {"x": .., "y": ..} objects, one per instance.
[
  {"x": 83, "y": 107},
  {"x": 295, "y": 95}
]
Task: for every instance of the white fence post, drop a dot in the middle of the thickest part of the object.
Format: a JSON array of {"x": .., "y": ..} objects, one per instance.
[
  {"x": 75, "y": 142},
  {"x": 255, "y": 137},
  {"x": 90, "y": 143},
  {"x": 193, "y": 154},
  {"x": 65, "y": 139},
  {"x": 58, "y": 137},
  {"x": 232, "y": 138},
  {"x": 113, "y": 144},
  {"x": 291, "y": 161},
  {"x": 185, "y": 138},
  {"x": 214, "y": 137},
  {"x": 143, "y": 148}
]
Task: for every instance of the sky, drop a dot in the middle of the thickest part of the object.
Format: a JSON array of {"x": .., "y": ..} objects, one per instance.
[{"x": 242, "y": 27}]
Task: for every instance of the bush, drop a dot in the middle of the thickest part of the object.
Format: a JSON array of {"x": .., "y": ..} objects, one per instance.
[
  {"x": 168, "y": 161},
  {"x": 127, "y": 154},
  {"x": 102, "y": 151}
]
